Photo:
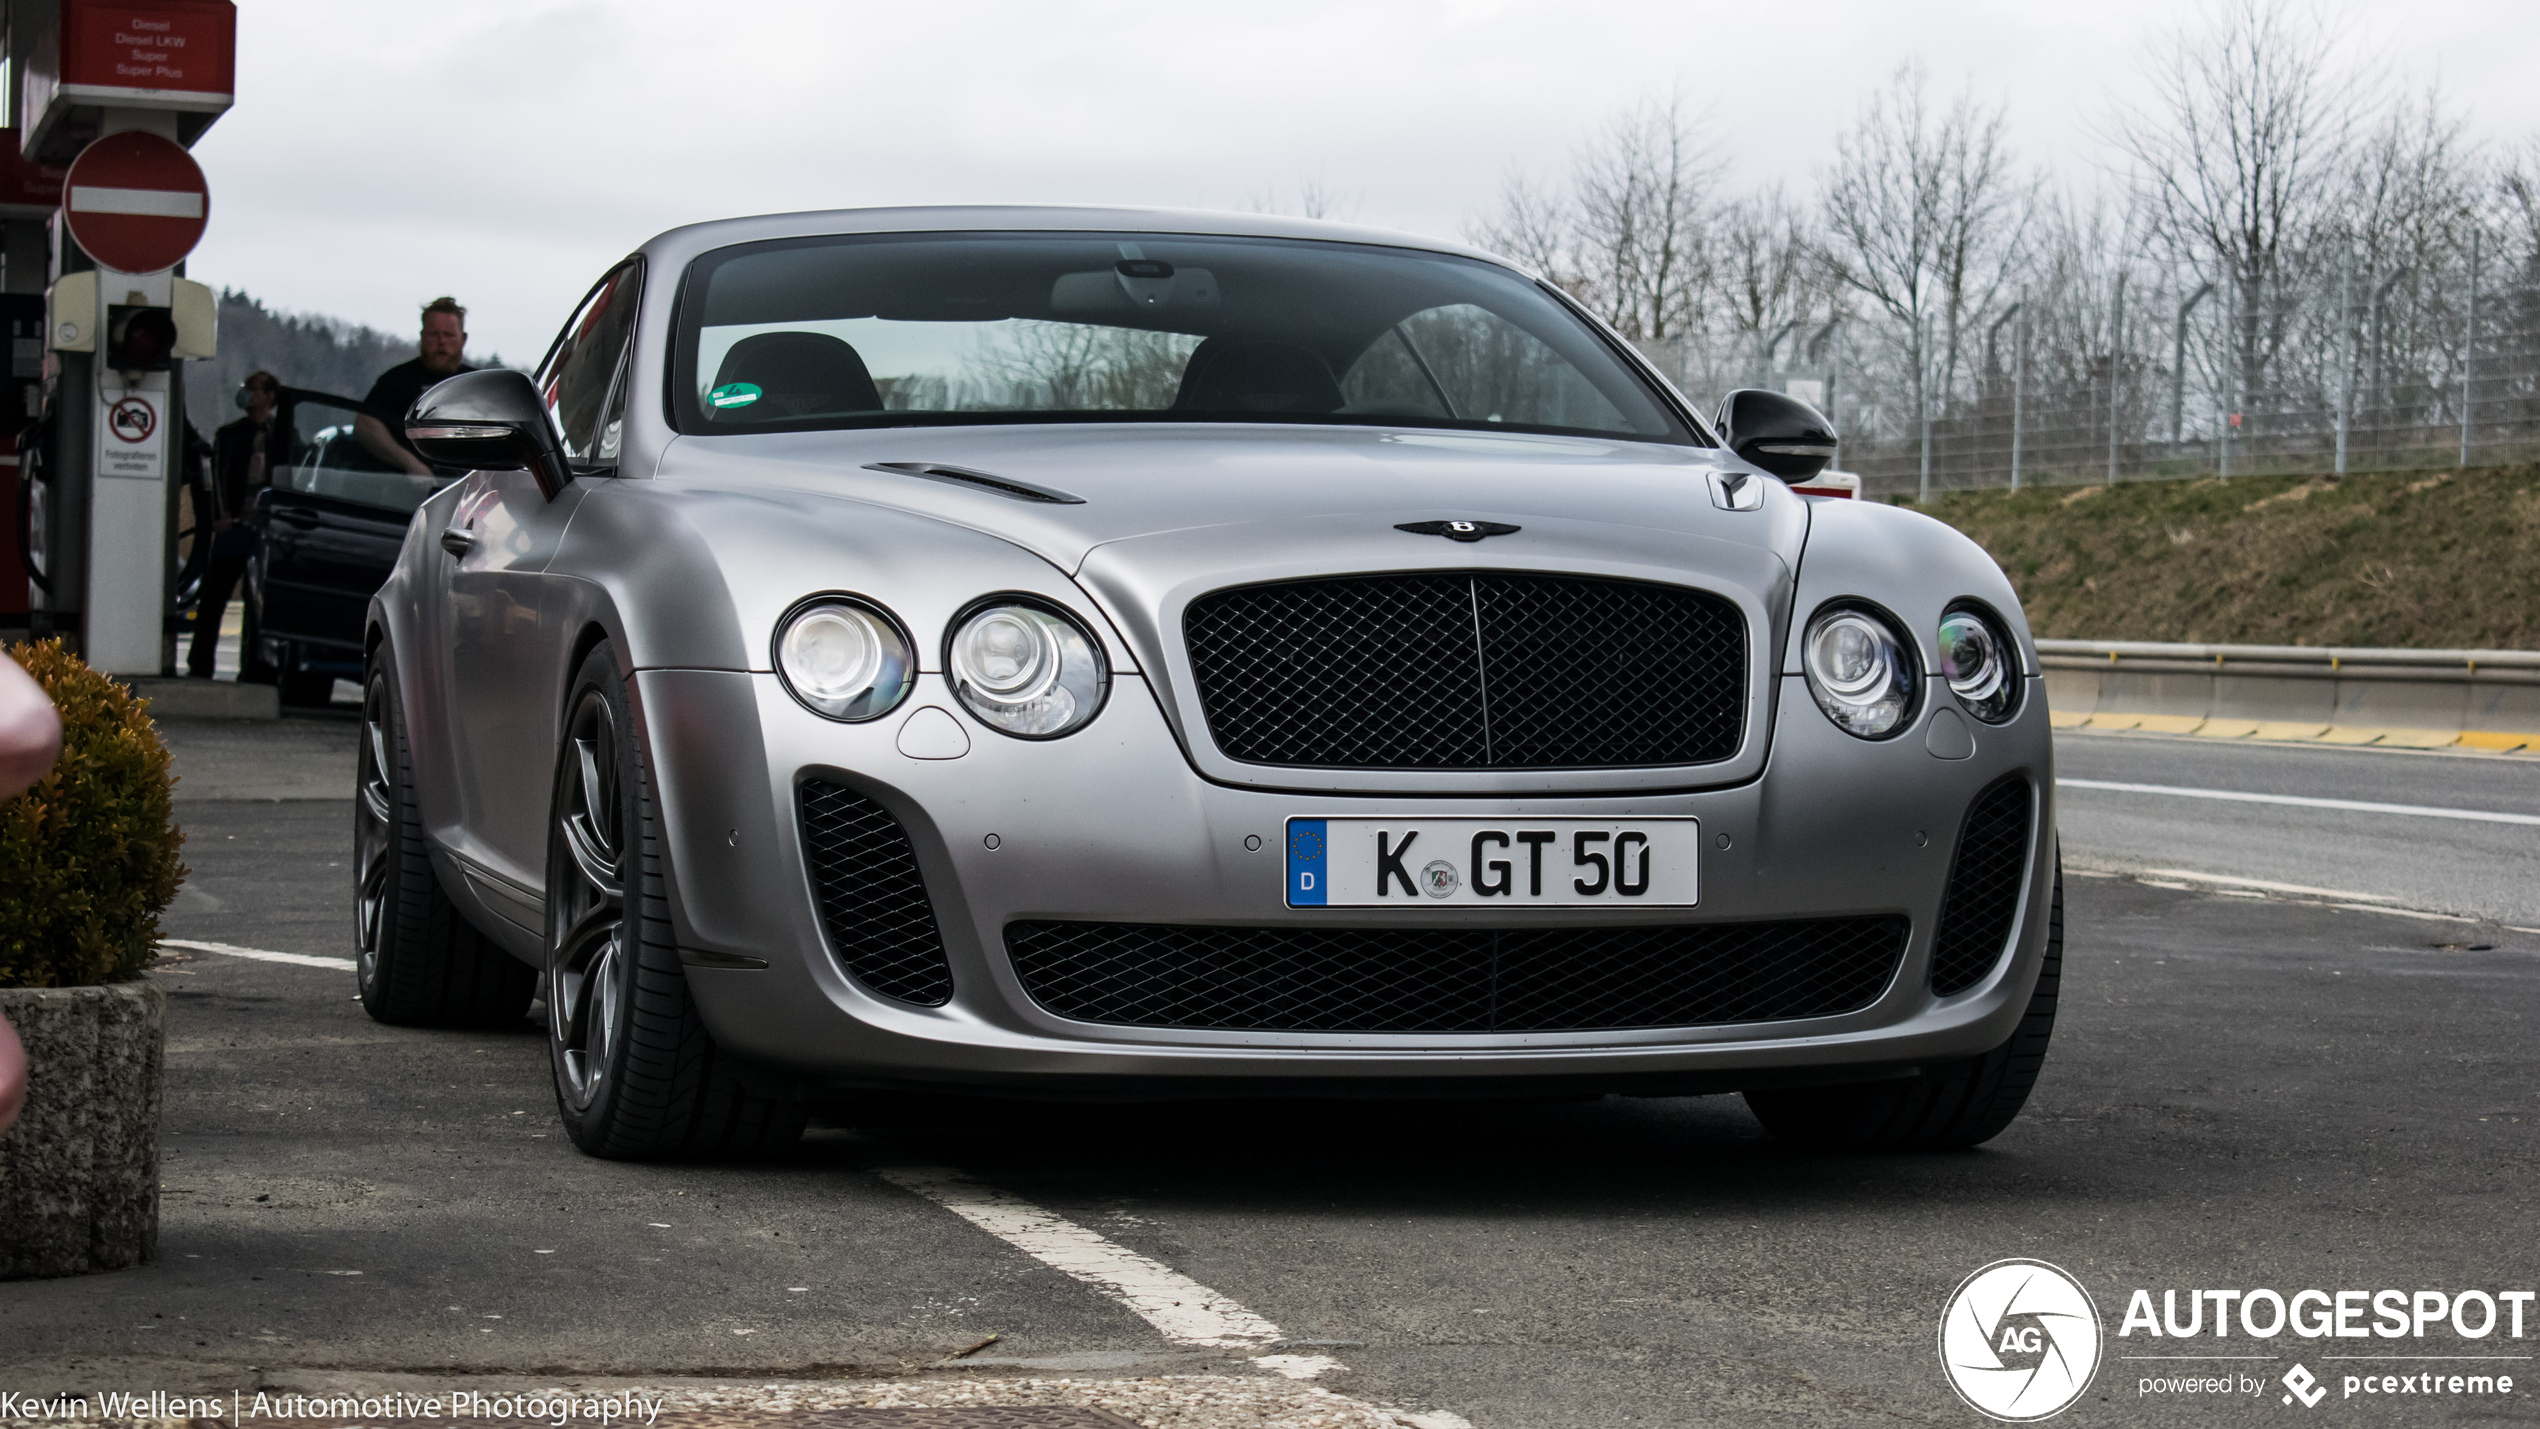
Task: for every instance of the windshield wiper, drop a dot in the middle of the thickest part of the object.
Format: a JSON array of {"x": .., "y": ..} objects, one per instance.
[{"x": 988, "y": 481}]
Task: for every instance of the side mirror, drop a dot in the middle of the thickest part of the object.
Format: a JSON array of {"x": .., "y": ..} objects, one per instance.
[
  {"x": 489, "y": 420},
  {"x": 1777, "y": 432}
]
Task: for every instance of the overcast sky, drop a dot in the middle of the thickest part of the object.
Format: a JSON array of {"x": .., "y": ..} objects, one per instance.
[{"x": 507, "y": 150}]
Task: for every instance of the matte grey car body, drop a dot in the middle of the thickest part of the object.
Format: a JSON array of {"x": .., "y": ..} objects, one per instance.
[{"x": 685, "y": 556}]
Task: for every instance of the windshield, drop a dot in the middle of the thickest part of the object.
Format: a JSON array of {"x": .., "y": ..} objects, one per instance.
[{"x": 942, "y": 329}]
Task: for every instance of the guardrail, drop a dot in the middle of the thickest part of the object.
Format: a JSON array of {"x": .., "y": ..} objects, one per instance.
[{"x": 2412, "y": 699}]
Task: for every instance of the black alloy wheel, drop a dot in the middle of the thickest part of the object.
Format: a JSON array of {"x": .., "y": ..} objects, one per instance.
[
  {"x": 637, "y": 1074},
  {"x": 586, "y": 906},
  {"x": 416, "y": 962}
]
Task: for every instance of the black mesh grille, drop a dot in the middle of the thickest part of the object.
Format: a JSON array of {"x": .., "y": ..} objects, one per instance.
[
  {"x": 872, "y": 898},
  {"x": 1469, "y": 671},
  {"x": 1455, "y": 980},
  {"x": 1983, "y": 895}
]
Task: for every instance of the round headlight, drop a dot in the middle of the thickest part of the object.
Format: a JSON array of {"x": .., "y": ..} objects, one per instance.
[
  {"x": 844, "y": 660},
  {"x": 1976, "y": 659},
  {"x": 1860, "y": 672},
  {"x": 1026, "y": 671}
]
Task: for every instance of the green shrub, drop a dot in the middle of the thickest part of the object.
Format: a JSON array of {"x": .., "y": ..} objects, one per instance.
[{"x": 87, "y": 856}]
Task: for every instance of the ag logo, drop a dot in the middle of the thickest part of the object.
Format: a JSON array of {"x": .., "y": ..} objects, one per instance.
[{"x": 2020, "y": 1340}]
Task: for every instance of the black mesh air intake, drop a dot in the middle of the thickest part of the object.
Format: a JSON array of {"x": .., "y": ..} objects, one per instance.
[
  {"x": 1292, "y": 979},
  {"x": 1487, "y": 670},
  {"x": 1982, "y": 900},
  {"x": 872, "y": 899}
]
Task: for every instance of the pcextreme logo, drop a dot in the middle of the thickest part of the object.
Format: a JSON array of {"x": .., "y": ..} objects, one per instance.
[{"x": 2020, "y": 1340}]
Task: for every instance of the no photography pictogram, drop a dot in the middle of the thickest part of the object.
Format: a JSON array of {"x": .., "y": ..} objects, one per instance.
[{"x": 132, "y": 420}]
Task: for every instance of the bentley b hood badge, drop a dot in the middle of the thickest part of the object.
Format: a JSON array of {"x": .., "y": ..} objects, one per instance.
[{"x": 1459, "y": 530}]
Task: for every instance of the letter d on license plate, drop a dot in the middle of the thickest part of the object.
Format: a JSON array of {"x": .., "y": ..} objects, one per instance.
[{"x": 1494, "y": 863}]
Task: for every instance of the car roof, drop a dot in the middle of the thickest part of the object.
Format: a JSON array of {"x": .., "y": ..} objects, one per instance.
[{"x": 678, "y": 246}]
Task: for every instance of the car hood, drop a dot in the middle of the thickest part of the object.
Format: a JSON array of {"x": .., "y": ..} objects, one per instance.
[{"x": 1272, "y": 491}]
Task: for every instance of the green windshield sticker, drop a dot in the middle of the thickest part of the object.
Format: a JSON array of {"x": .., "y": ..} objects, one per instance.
[{"x": 735, "y": 394}]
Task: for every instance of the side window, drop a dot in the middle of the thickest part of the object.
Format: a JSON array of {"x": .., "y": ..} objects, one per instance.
[{"x": 581, "y": 374}]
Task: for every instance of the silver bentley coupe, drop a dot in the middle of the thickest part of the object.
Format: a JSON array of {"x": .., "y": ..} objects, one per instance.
[{"x": 1075, "y": 653}]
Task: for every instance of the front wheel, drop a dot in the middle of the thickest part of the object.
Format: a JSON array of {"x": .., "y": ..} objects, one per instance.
[
  {"x": 636, "y": 1072},
  {"x": 416, "y": 962},
  {"x": 1956, "y": 1105}
]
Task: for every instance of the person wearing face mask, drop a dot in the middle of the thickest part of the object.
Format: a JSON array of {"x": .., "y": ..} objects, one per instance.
[{"x": 244, "y": 455}]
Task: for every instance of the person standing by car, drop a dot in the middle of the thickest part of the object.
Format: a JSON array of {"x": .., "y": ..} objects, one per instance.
[
  {"x": 244, "y": 454},
  {"x": 444, "y": 345}
]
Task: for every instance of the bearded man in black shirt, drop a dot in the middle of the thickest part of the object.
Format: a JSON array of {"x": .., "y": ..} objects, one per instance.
[{"x": 443, "y": 343}]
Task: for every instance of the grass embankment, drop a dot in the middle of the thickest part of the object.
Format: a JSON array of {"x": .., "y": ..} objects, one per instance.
[{"x": 2447, "y": 560}]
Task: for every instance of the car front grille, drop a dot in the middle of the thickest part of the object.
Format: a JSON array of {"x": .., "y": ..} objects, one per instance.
[
  {"x": 1484, "y": 670},
  {"x": 1297, "y": 979},
  {"x": 1982, "y": 898},
  {"x": 872, "y": 898}
]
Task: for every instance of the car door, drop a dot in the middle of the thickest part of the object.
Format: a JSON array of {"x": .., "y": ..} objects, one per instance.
[
  {"x": 504, "y": 651},
  {"x": 333, "y": 518}
]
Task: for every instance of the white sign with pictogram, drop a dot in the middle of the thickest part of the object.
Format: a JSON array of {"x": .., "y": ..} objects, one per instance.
[{"x": 129, "y": 442}]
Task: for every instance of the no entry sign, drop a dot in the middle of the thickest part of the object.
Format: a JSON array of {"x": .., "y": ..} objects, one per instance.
[{"x": 136, "y": 202}]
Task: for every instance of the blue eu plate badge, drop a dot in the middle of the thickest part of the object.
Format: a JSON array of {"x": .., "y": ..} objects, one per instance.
[{"x": 1308, "y": 877}]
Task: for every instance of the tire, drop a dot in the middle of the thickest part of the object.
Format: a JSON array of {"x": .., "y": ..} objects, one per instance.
[
  {"x": 637, "y": 1075},
  {"x": 1949, "y": 1107},
  {"x": 416, "y": 962}
]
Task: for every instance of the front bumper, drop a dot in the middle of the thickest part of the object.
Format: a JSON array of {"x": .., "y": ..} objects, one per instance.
[{"x": 1113, "y": 825}]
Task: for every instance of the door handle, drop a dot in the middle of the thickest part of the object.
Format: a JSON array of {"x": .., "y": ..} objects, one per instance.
[
  {"x": 294, "y": 516},
  {"x": 456, "y": 541}
]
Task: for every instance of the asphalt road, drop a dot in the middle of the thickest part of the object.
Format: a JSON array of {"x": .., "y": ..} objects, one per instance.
[
  {"x": 2244, "y": 1091},
  {"x": 2485, "y": 870}
]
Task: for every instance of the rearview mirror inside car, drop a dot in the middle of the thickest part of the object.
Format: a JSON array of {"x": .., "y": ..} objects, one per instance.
[
  {"x": 1777, "y": 432},
  {"x": 489, "y": 420}
]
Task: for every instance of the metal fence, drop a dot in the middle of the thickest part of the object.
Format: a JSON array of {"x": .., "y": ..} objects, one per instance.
[{"x": 2349, "y": 366}]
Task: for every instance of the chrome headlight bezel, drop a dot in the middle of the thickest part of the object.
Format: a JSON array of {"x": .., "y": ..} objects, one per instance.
[
  {"x": 894, "y": 671},
  {"x": 1993, "y": 694},
  {"x": 1088, "y": 687},
  {"x": 1880, "y": 704}
]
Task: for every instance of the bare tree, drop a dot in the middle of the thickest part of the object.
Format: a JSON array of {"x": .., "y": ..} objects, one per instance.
[
  {"x": 2243, "y": 153},
  {"x": 1763, "y": 280},
  {"x": 1925, "y": 217},
  {"x": 1626, "y": 234}
]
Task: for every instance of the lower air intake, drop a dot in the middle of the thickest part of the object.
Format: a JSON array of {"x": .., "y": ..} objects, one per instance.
[
  {"x": 1292, "y": 979},
  {"x": 1982, "y": 899},
  {"x": 873, "y": 901}
]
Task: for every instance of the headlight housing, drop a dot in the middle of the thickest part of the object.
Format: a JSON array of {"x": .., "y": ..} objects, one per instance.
[
  {"x": 843, "y": 658},
  {"x": 1980, "y": 663},
  {"x": 1025, "y": 670},
  {"x": 1861, "y": 671}
]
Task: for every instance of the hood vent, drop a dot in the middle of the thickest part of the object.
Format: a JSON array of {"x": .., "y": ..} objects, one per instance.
[{"x": 983, "y": 480}]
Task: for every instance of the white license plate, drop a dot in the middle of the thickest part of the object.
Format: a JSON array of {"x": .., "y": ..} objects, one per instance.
[{"x": 1494, "y": 863}]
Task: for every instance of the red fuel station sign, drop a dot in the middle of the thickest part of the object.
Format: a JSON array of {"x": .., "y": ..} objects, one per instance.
[{"x": 136, "y": 202}]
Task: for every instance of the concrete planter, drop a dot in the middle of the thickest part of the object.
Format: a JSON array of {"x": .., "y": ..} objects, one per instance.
[{"x": 79, "y": 1173}]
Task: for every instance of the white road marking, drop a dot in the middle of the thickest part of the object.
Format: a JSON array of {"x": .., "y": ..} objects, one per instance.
[
  {"x": 2360, "y": 806},
  {"x": 2271, "y": 887},
  {"x": 2402, "y": 912},
  {"x": 261, "y": 955},
  {"x": 1187, "y": 1312}
]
